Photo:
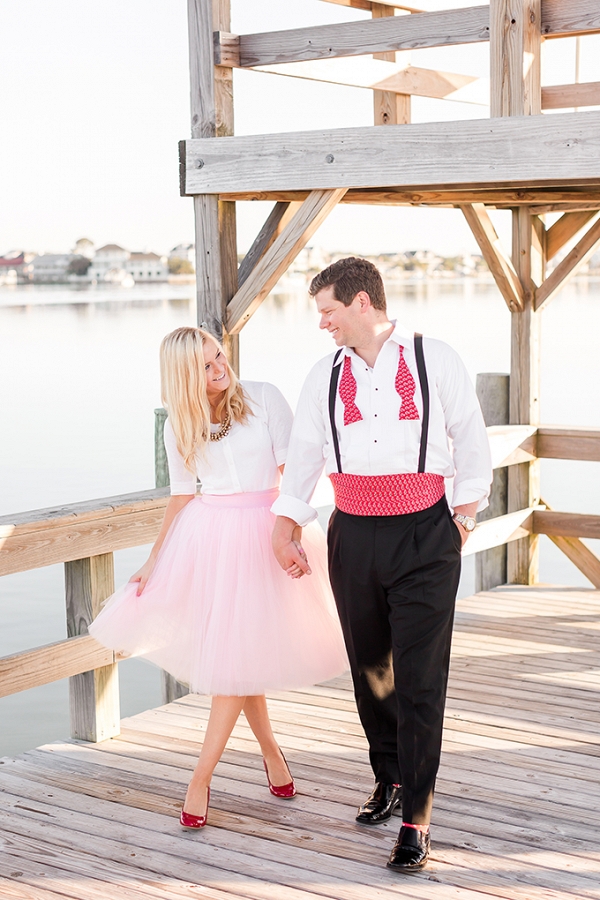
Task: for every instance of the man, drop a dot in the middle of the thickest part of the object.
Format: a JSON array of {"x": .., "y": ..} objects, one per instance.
[{"x": 378, "y": 413}]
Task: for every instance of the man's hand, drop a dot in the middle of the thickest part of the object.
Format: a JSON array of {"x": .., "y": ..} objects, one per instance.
[
  {"x": 288, "y": 552},
  {"x": 466, "y": 509}
]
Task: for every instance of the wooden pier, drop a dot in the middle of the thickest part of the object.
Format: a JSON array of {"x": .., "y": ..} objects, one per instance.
[{"x": 516, "y": 812}]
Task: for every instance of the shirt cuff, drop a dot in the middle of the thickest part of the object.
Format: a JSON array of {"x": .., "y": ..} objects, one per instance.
[
  {"x": 292, "y": 508},
  {"x": 474, "y": 491}
]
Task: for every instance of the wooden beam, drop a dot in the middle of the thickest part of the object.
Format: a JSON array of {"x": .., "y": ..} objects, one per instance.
[
  {"x": 278, "y": 257},
  {"x": 501, "y": 530},
  {"x": 211, "y": 93},
  {"x": 523, "y": 479},
  {"x": 93, "y": 694},
  {"x": 411, "y": 32},
  {"x": 573, "y": 261},
  {"x": 505, "y": 198},
  {"x": 53, "y": 662},
  {"x": 512, "y": 444},
  {"x": 568, "y": 443},
  {"x": 274, "y": 225},
  {"x": 491, "y": 248},
  {"x": 429, "y": 29},
  {"x": 579, "y": 554},
  {"x": 557, "y": 150},
  {"x": 565, "y": 229},
  {"x": 390, "y": 107},
  {"x": 581, "y": 557},
  {"x": 45, "y": 537},
  {"x": 515, "y": 42},
  {"x": 566, "y": 18},
  {"x": 561, "y": 524},
  {"x": 563, "y": 96}
]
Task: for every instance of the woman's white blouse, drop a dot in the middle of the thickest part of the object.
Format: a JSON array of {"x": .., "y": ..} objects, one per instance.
[{"x": 248, "y": 458}]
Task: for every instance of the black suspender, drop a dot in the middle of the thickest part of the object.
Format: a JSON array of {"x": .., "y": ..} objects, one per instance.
[
  {"x": 333, "y": 383},
  {"x": 423, "y": 383},
  {"x": 425, "y": 396}
]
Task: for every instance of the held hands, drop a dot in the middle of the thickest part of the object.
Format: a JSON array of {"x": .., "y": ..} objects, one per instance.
[
  {"x": 142, "y": 575},
  {"x": 288, "y": 549}
]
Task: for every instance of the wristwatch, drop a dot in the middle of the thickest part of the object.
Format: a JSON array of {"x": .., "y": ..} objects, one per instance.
[{"x": 467, "y": 522}]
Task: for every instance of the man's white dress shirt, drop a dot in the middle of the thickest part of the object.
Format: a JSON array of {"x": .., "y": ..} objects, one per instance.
[{"x": 382, "y": 443}]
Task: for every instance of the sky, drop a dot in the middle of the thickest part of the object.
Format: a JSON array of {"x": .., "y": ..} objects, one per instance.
[{"x": 94, "y": 98}]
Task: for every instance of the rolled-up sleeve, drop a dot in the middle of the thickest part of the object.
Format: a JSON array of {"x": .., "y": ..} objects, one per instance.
[
  {"x": 466, "y": 428},
  {"x": 305, "y": 459},
  {"x": 182, "y": 481}
]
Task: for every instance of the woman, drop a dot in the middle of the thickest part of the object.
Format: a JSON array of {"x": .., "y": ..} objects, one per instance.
[{"x": 211, "y": 605}]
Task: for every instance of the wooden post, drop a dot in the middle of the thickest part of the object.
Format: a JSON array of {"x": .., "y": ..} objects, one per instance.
[
  {"x": 493, "y": 394},
  {"x": 389, "y": 108},
  {"x": 515, "y": 45},
  {"x": 171, "y": 688},
  {"x": 515, "y": 84},
  {"x": 211, "y": 90},
  {"x": 524, "y": 479},
  {"x": 93, "y": 696}
]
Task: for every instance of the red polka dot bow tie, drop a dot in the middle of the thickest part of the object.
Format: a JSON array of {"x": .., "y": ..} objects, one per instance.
[{"x": 404, "y": 384}]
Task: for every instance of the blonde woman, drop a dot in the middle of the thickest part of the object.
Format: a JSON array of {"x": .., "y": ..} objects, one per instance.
[{"x": 211, "y": 605}]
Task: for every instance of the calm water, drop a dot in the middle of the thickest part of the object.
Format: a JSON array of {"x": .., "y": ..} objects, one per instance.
[{"x": 79, "y": 377}]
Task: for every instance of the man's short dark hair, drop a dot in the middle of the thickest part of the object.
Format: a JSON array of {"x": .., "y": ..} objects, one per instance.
[{"x": 348, "y": 277}]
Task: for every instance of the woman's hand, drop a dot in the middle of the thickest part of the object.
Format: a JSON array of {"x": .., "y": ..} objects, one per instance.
[
  {"x": 142, "y": 575},
  {"x": 294, "y": 571}
]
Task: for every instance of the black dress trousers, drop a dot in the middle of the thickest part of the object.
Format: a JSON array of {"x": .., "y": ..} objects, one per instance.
[{"x": 395, "y": 580}]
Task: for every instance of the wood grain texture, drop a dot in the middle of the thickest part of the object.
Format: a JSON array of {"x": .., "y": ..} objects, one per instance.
[
  {"x": 581, "y": 557},
  {"x": 568, "y": 443},
  {"x": 542, "y": 201},
  {"x": 276, "y": 221},
  {"x": 432, "y": 29},
  {"x": 93, "y": 695},
  {"x": 497, "y": 260},
  {"x": 369, "y": 4},
  {"x": 558, "y": 150},
  {"x": 493, "y": 394},
  {"x": 562, "y": 524},
  {"x": 520, "y": 755},
  {"x": 524, "y": 479},
  {"x": 498, "y": 531},
  {"x": 565, "y": 229},
  {"x": 280, "y": 254},
  {"x": 22, "y": 550},
  {"x": 515, "y": 51},
  {"x": 569, "y": 266},
  {"x": 563, "y": 96},
  {"x": 32, "y": 668},
  {"x": 565, "y": 19}
]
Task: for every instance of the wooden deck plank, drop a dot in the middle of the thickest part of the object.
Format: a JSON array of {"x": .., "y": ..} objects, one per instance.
[{"x": 515, "y": 814}]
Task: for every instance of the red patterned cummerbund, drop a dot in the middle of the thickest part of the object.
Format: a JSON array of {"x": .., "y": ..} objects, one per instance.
[{"x": 386, "y": 495}]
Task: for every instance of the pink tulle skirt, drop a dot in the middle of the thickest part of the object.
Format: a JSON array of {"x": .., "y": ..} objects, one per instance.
[{"x": 219, "y": 613}]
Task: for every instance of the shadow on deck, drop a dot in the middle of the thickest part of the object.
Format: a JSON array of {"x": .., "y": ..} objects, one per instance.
[{"x": 516, "y": 812}]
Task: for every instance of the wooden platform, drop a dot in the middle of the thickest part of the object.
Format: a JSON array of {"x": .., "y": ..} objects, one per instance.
[{"x": 516, "y": 811}]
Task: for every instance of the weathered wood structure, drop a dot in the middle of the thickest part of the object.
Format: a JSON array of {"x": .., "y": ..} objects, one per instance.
[
  {"x": 518, "y": 159},
  {"x": 84, "y": 822}
]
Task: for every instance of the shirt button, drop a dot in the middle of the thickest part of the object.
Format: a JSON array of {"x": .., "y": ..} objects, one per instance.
[
  {"x": 375, "y": 415},
  {"x": 375, "y": 441}
]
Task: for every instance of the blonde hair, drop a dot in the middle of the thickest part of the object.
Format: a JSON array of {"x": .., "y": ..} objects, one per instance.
[{"x": 183, "y": 391}]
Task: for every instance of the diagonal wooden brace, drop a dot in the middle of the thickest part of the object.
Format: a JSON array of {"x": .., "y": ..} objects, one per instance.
[
  {"x": 274, "y": 262},
  {"x": 573, "y": 261},
  {"x": 498, "y": 262}
]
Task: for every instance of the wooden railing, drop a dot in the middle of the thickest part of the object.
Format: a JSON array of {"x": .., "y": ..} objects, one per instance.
[{"x": 84, "y": 536}]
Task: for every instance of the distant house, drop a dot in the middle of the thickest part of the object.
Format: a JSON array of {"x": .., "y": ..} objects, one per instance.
[
  {"x": 184, "y": 251},
  {"x": 12, "y": 267},
  {"x": 147, "y": 267},
  {"x": 50, "y": 268},
  {"x": 108, "y": 263}
]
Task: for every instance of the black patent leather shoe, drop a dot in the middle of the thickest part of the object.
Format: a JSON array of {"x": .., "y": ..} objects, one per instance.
[
  {"x": 411, "y": 850},
  {"x": 380, "y": 805}
]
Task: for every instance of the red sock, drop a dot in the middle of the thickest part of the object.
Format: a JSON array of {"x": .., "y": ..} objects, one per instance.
[{"x": 424, "y": 829}]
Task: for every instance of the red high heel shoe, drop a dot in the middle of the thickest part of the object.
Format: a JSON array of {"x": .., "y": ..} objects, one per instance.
[
  {"x": 189, "y": 821},
  {"x": 283, "y": 791}
]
